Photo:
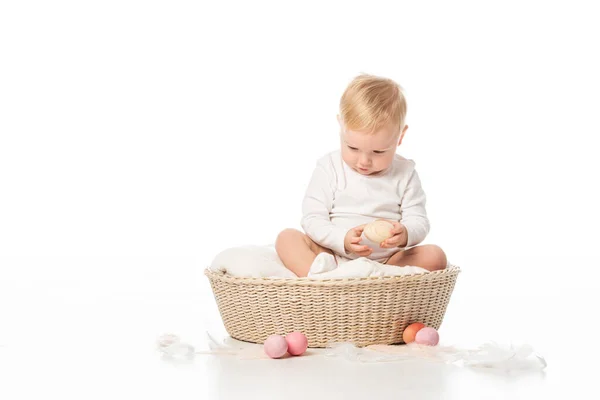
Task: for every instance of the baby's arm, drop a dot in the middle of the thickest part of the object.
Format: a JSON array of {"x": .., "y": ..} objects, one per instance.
[
  {"x": 316, "y": 206},
  {"x": 412, "y": 208}
]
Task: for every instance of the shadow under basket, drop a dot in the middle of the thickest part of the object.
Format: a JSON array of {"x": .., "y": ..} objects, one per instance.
[{"x": 363, "y": 311}]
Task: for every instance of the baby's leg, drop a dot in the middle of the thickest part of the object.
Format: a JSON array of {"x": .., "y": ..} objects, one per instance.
[
  {"x": 297, "y": 251},
  {"x": 428, "y": 256}
]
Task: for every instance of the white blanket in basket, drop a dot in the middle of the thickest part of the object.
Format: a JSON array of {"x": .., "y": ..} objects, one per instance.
[{"x": 263, "y": 262}]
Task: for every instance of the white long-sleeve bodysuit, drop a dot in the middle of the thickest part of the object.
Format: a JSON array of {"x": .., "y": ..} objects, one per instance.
[{"x": 338, "y": 198}]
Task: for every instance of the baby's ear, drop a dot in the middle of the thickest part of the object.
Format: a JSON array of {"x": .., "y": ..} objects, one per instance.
[{"x": 402, "y": 134}]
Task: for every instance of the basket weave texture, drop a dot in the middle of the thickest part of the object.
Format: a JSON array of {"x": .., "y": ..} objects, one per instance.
[{"x": 363, "y": 311}]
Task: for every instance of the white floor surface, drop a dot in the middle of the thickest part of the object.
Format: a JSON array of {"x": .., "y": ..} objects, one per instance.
[{"x": 85, "y": 328}]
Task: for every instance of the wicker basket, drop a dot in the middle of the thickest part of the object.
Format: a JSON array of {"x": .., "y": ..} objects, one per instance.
[{"x": 362, "y": 311}]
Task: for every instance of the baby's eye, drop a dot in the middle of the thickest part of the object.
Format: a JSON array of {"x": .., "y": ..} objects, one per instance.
[
  {"x": 352, "y": 148},
  {"x": 379, "y": 151}
]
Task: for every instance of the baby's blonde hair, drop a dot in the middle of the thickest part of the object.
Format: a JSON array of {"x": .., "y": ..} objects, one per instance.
[{"x": 371, "y": 102}]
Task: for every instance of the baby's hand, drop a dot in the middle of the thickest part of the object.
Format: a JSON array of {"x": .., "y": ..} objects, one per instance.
[
  {"x": 352, "y": 240},
  {"x": 399, "y": 236}
]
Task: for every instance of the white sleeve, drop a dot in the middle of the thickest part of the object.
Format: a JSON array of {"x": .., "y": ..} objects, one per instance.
[
  {"x": 414, "y": 215},
  {"x": 316, "y": 207}
]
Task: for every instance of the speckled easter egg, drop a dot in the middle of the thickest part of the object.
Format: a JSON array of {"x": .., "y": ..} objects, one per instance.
[
  {"x": 275, "y": 346},
  {"x": 297, "y": 343},
  {"x": 427, "y": 336},
  {"x": 411, "y": 331}
]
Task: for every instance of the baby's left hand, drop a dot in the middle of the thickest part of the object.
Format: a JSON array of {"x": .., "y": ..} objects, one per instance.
[{"x": 399, "y": 238}]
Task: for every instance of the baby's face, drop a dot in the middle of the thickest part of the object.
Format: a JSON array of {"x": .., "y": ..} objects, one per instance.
[{"x": 370, "y": 154}]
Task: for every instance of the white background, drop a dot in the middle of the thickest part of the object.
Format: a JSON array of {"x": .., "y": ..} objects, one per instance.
[{"x": 140, "y": 138}]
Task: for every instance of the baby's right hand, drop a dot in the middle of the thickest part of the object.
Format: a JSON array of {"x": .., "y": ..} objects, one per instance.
[{"x": 352, "y": 240}]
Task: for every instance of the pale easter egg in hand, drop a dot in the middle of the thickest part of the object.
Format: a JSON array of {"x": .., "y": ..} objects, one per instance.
[{"x": 378, "y": 231}]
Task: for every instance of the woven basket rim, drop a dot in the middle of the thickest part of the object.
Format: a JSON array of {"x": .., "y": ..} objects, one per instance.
[{"x": 450, "y": 270}]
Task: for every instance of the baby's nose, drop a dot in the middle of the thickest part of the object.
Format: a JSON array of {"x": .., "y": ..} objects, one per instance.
[{"x": 364, "y": 159}]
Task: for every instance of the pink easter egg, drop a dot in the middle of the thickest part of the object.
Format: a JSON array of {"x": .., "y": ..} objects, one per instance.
[
  {"x": 297, "y": 343},
  {"x": 275, "y": 346},
  {"x": 427, "y": 336}
]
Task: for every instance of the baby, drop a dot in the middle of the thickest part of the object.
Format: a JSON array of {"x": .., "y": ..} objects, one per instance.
[{"x": 365, "y": 180}]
